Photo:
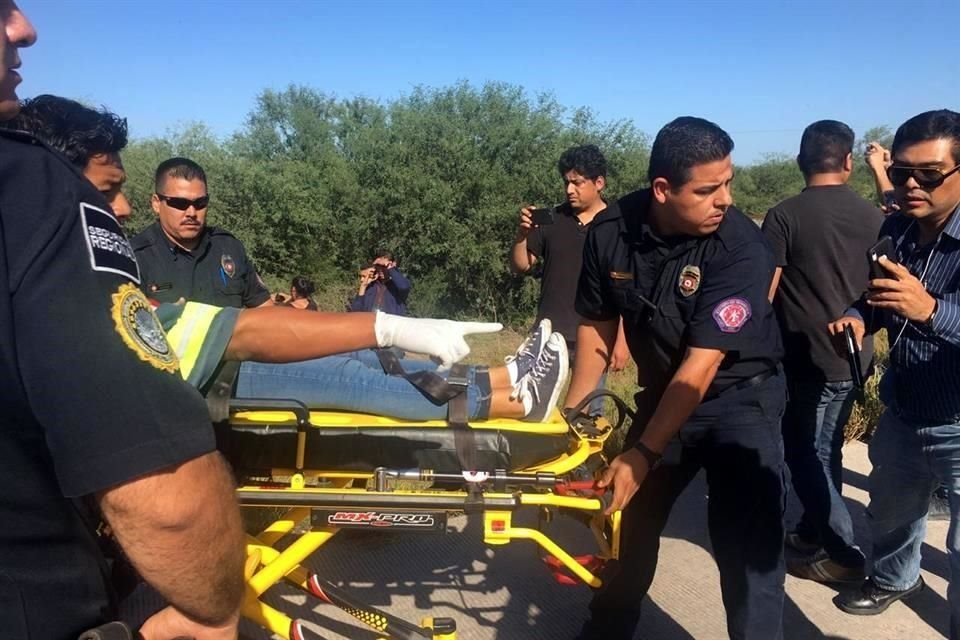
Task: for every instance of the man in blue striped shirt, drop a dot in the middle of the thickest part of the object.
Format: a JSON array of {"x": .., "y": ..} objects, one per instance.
[{"x": 917, "y": 443}]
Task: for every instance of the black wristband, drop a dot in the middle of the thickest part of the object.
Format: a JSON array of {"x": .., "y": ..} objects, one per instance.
[{"x": 653, "y": 458}]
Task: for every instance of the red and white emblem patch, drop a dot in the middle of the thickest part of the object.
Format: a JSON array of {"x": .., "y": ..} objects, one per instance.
[{"x": 731, "y": 314}]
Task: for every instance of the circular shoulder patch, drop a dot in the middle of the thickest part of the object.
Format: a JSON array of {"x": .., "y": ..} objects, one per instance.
[
  {"x": 731, "y": 314},
  {"x": 140, "y": 328}
]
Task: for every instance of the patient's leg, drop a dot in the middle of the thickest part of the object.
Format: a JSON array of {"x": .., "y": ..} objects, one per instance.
[{"x": 346, "y": 384}]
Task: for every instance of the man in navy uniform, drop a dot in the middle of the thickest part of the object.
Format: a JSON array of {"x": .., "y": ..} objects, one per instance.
[
  {"x": 181, "y": 257},
  {"x": 94, "y": 408},
  {"x": 689, "y": 274}
]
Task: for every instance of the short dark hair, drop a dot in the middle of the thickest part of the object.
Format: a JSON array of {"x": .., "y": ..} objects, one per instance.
[
  {"x": 303, "y": 286},
  {"x": 824, "y": 146},
  {"x": 177, "y": 168},
  {"x": 930, "y": 125},
  {"x": 75, "y": 130},
  {"x": 384, "y": 253},
  {"x": 684, "y": 143},
  {"x": 587, "y": 160}
]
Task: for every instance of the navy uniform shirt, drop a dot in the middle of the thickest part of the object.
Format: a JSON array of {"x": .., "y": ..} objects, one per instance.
[
  {"x": 218, "y": 272},
  {"x": 678, "y": 292},
  {"x": 91, "y": 395}
]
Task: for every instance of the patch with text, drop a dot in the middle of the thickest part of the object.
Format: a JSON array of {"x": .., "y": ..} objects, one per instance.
[{"x": 107, "y": 245}]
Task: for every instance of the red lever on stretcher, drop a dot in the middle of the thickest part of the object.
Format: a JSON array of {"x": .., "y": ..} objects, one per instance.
[
  {"x": 590, "y": 562},
  {"x": 563, "y": 488}
]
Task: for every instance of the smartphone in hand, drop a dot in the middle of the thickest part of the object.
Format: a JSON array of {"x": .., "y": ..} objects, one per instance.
[
  {"x": 541, "y": 217},
  {"x": 884, "y": 247}
]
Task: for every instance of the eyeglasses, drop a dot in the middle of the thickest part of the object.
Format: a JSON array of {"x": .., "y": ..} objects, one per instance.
[
  {"x": 926, "y": 177},
  {"x": 182, "y": 204}
]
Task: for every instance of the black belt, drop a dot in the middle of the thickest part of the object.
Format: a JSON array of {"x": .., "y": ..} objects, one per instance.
[{"x": 743, "y": 384}]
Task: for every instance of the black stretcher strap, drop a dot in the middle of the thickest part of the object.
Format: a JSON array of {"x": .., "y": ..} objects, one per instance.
[
  {"x": 450, "y": 391},
  {"x": 221, "y": 389}
]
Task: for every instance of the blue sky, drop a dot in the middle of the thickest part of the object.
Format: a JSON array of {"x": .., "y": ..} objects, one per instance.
[{"x": 761, "y": 69}]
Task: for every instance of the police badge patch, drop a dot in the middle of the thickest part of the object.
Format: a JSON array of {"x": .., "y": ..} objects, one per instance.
[
  {"x": 689, "y": 280},
  {"x": 106, "y": 243},
  {"x": 228, "y": 265},
  {"x": 140, "y": 329}
]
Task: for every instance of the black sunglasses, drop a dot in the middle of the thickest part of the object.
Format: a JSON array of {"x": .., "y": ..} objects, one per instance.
[
  {"x": 926, "y": 177},
  {"x": 182, "y": 204}
]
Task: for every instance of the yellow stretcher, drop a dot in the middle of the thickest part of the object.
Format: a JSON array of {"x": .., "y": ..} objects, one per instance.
[{"x": 354, "y": 471}]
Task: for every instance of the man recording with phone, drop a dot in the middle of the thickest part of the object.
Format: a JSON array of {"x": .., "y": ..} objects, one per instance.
[
  {"x": 382, "y": 287},
  {"x": 553, "y": 238},
  {"x": 917, "y": 300}
]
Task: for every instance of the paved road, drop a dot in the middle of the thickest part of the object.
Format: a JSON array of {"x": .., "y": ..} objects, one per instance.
[{"x": 504, "y": 593}]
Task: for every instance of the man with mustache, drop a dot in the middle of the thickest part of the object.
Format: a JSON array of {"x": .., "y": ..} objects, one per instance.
[
  {"x": 181, "y": 257},
  {"x": 94, "y": 408}
]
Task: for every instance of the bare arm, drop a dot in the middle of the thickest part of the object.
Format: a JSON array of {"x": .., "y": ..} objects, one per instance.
[
  {"x": 181, "y": 529},
  {"x": 878, "y": 159},
  {"x": 682, "y": 396},
  {"x": 284, "y": 334},
  {"x": 621, "y": 351},
  {"x": 521, "y": 259},
  {"x": 595, "y": 341},
  {"x": 775, "y": 283}
]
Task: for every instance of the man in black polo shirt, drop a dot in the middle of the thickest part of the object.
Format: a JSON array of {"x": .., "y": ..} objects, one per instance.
[
  {"x": 181, "y": 257},
  {"x": 689, "y": 274},
  {"x": 820, "y": 239},
  {"x": 558, "y": 247}
]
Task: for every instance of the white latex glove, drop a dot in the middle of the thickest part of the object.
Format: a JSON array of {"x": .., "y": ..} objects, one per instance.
[{"x": 442, "y": 339}]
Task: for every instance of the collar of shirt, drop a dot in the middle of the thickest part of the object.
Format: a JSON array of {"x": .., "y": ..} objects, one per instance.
[
  {"x": 952, "y": 228},
  {"x": 633, "y": 211},
  {"x": 160, "y": 236}
]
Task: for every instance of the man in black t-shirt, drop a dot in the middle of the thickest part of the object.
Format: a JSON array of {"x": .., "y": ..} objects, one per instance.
[
  {"x": 558, "y": 247},
  {"x": 820, "y": 238}
]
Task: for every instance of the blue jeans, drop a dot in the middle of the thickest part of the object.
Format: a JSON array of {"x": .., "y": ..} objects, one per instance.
[
  {"x": 816, "y": 414},
  {"x": 909, "y": 460},
  {"x": 353, "y": 382}
]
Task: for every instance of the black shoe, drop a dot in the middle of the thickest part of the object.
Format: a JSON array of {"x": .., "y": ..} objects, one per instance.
[
  {"x": 801, "y": 545},
  {"x": 870, "y": 599},
  {"x": 939, "y": 505},
  {"x": 820, "y": 567}
]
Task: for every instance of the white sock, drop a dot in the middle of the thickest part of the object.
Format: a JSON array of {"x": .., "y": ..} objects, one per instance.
[
  {"x": 527, "y": 399},
  {"x": 512, "y": 371}
]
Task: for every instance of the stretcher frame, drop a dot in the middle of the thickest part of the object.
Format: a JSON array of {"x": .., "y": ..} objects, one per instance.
[{"x": 561, "y": 485}]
